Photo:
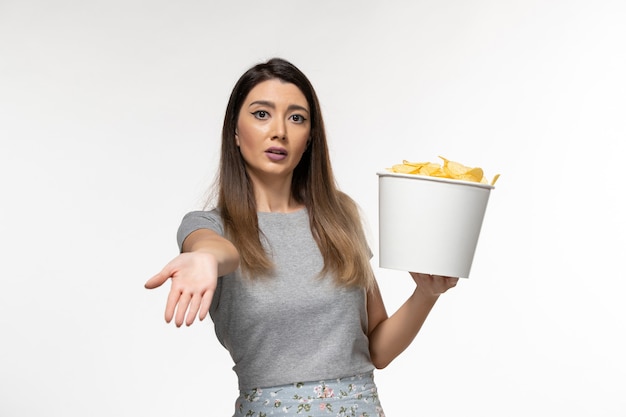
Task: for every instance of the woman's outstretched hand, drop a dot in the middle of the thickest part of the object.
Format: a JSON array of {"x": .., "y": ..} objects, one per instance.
[
  {"x": 194, "y": 279},
  {"x": 433, "y": 285}
]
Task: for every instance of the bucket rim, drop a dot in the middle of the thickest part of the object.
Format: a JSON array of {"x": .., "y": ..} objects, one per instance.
[{"x": 435, "y": 179}]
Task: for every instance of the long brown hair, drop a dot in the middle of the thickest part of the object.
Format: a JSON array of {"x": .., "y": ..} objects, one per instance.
[{"x": 334, "y": 217}]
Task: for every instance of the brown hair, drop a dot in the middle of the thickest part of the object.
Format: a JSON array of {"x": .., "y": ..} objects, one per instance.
[{"x": 334, "y": 217}]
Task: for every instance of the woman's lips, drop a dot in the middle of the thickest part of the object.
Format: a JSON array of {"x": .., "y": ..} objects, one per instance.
[{"x": 276, "y": 154}]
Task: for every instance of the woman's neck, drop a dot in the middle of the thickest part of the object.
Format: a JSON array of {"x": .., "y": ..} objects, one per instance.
[
  {"x": 275, "y": 197},
  {"x": 269, "y": 205}
]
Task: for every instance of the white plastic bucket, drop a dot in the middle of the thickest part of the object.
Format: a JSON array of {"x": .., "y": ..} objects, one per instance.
[{"x": 429, "y": 224}]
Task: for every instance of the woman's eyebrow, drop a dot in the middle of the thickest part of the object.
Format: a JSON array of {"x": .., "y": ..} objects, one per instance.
[
  {"x": 262, "y": 103},
  {"x": 273, "y": 106},
  {"x": 297, "y": 107}
]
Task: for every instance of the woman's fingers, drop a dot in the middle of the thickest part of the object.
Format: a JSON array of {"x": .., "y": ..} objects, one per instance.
[
  {"x": 194, "y": 306},
  {"x": 193, "y": 281},
  {"x": 435, "y": 284},
  {"x": 170, "y": 305},
  {"x": 443, "y": 283},
  {"x": 451, "y": 281},
  {"x": 186, "y": 307},
  {"x": 205, "y": 303},
  {"x": 199, "y": 306},
  {"x": 181, "y": 309},
  {"x": 157, "y": 280}
]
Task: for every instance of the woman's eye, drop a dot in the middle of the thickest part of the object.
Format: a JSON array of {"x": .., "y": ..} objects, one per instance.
[
  {"x": 260, "y": 114},
  {"x": 298, "y": 118}
]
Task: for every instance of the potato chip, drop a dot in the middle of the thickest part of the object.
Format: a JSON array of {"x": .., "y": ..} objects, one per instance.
[
  {"x": 449, "y": 169},
  {"x": 405, "y": 169}
]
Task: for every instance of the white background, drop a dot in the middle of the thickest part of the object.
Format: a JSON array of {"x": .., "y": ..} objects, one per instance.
[{"x": 110, "y": 116}]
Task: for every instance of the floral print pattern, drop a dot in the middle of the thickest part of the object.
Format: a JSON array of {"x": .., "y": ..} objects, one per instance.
[{"x": 355, "y": 396}]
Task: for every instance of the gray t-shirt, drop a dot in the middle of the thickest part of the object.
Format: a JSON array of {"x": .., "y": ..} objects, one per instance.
[{"x": 293, "y": 326}]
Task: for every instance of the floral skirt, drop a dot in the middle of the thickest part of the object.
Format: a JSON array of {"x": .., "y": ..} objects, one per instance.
[{"x": 354, "y": 396}]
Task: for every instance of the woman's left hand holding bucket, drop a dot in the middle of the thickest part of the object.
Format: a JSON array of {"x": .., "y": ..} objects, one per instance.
[{"x": 433, "y": 285}]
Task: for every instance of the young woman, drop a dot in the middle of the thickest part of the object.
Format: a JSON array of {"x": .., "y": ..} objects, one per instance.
[{"x": 282, "y": 265}]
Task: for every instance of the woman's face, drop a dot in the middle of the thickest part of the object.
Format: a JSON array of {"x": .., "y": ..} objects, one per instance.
[{"x": 273, "y": 129}]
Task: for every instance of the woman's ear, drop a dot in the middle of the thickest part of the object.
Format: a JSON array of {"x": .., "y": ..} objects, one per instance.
[{"x": 236, "y": 138}]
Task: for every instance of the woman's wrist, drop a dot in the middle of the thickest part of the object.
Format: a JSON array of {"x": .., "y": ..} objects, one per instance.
[{"x": 422, "y": 296}]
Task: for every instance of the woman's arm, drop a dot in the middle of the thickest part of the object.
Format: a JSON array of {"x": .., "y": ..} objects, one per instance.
[
  {"x": 194, "y": 273},
  {"x": 390, "y": 336},
  {"x": 206, "y": 240}
]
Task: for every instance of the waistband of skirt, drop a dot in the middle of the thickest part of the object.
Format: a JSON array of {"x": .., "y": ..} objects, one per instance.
[{"x": 349, "y": 386}]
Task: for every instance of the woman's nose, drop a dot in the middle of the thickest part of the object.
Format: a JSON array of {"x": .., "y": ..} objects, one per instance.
[{"x": 279, "y": 130}]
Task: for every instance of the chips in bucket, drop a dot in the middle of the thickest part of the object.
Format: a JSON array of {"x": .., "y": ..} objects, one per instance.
[{"x": 449, "y": 169}]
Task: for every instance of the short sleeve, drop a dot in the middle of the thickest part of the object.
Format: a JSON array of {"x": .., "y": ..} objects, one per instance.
[{"x": 196, "y": 220}]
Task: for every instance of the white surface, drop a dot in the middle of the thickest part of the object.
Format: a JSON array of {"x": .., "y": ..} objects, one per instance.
[
  {"x": 110, "y": 116},
  {"x": 429, "y": 225}
]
